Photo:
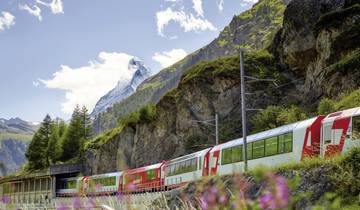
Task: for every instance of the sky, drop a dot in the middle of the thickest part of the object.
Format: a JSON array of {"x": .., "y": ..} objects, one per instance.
[{"x": 55, "y": 54}]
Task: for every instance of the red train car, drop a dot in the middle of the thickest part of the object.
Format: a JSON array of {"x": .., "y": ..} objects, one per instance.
[{"x": 144, "y": 179}]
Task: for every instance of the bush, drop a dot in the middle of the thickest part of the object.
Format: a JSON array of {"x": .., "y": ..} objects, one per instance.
[
  {"x": 276, "y": 116},
  {"x": 326, "y": 106}
]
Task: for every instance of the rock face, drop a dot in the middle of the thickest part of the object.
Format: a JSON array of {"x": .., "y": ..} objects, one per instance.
[
  {"x": 321, "y": 45},
  {"x": 252, "y": 30},
  {"x": 122, "y": 91}
]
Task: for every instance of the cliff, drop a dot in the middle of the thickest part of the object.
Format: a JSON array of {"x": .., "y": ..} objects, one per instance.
[{"x": 314, "y": 54}]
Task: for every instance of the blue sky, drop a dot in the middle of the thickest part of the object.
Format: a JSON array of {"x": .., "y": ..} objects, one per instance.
[{"x": 56, "y": 53}]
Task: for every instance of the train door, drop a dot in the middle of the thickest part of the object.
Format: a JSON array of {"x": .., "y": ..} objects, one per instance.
[
  {"x": 334, "y": 134},
  {"x": 214, "y": 159}
]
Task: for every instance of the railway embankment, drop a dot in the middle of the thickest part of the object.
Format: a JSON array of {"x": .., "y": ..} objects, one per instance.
[{"x": 312, "y": 184}]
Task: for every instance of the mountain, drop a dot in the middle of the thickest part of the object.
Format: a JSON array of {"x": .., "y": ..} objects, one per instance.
[
  {"x": 122, "y": 91},
  {"x": 313, "y": 55},
  {"x": 253, "y": 30},
  {"x": 15, "y": 136}
]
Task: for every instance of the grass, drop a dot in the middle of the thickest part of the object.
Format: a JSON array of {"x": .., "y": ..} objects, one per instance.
[
  {"x": 15, "y": 136},
  {"x": 145, "y": 114}
]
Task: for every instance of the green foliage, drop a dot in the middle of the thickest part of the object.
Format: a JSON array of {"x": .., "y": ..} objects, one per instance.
[
  {"x": 101, "y": 139},
  {"x": 348, "y": 175},
  {"x": 76, "y": 135},
  {"x": 259, "y": 63},
  {"x": 349, "y": 63},
  {"x": 145, "y": 114},
  {"x": 54, "y": 149},
  {"x": 37, "y": 150},
  {"x": 326, "y": 106},
  {"x": 345, "y": 101},
  {"x": 222, "y": 42},
  {"x": 276, "y": 116}
]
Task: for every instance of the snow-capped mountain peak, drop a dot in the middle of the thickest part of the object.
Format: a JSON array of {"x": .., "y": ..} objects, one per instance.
[{"x": 123, "y": 89}]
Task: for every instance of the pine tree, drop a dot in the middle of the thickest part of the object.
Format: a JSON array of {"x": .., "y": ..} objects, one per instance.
[
  {"x": 54, "y": 147},
  {"x": 37, "y": 150},
  {"x": 71, "y": 143},
  {"x": 86, "y": 121}
]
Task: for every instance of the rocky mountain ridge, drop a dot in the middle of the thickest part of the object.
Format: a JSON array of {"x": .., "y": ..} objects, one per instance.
[
  {"x": 122, "y": 91},
  {"x": 252, "y": 30},
  {"x": 15, "y": 136}
]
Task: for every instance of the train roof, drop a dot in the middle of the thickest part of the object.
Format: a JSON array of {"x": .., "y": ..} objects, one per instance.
[
  {"x": 107, "y": 175},
  {"x": 267, "y": 134},
  {"x": 142, "y": 169},
  {"x": 342, "y": 114},
  {"x": 189, "y": 156}
]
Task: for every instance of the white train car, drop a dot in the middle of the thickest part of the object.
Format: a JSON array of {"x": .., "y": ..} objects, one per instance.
[
  {"x": 185, "y": 169},
  {"x": 280, "y": 145},
  {"x": 67, "y": 187},
  {"x": 107, "y": 184},
  {"x": 340, "y": 131}
]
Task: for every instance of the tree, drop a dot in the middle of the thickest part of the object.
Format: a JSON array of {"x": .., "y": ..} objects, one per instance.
[
  {"x": 54, "y": 147},
  {"x": 74, "y": 136},
  {"x": 86, "y": 121},
  {"x": 37, "y": 150}
]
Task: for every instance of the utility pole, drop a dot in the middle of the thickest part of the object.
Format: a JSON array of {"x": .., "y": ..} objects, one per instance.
[
  {"x": 243, "y": 109},
  {"x": 216, "y": 129}
]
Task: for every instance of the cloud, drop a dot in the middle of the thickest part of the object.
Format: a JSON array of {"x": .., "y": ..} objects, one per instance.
[
  {"x": 56, "y": 6},
  {"x": 35, "y": 11},
  {"x": 187, "y": 21},
  {"x": 221, "y": 5},
  {"x": 167, "y": 58},
  {"x": 6, "y": 20},
  {"x": 87, "y": 84},
  {"x": 197, "y": 5},
  {"x": 36, "y": 83}
]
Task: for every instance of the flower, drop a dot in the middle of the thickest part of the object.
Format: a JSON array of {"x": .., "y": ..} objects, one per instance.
[
  {"x": 203, "y": 203},
  {"x": 76, "y": 203},
  {"x": 5, "y": 199},
  {"x": 277, "y": 197}
]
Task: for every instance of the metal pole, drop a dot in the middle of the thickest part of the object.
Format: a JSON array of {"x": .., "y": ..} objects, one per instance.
[
  {"x": 217, "y": 129},
  {"x": 243, "y": 109}
]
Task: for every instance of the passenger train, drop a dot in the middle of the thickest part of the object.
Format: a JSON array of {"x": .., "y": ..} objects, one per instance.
[{"x": 321, "y": 136}]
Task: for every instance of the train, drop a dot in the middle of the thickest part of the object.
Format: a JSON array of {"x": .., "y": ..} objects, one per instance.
[{"x": 321, "y": 136}]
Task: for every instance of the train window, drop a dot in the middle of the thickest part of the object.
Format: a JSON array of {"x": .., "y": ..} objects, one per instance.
[
  {"x": 200, "y": 166},
  {"x": 258, "y": 149},
  {"x": 151, "y": 174},
  {"x": 288, "y": 142},
  {"x": 327, "y": 134},
  {"x": 236, "y": 154},
  {"x": 226, "y": 156},
  {"x": 356, "y": 128},
  {"x": 271, "y": 146},
  {"x": 249, "y": 151},
  {"x": 285, "y": 143}
]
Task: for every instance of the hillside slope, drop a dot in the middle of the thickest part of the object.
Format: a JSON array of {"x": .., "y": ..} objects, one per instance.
[
  {"x": 253, "y": 30},
  {"x": 15, "y": 136},
  {"x": 302, "y": 62}
]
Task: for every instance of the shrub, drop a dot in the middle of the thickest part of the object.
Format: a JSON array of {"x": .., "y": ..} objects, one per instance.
[{"x": 326, "y": 106}]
